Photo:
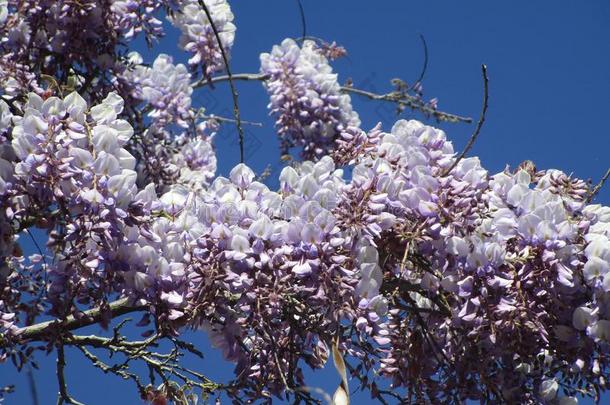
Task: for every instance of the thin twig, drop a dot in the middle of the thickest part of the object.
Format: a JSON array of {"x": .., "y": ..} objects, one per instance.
[
  {"x": 224, "y": 119},
  {"x": 303, "y": 20},
  {"x": 317, "y": 390},
  {"x": 43, "y": 290},
  {"x": 164, "y": 365},
  {"x": 32, "y": 384},
  {"x": 233, "y": 89},
  {"x": 61, "y": 379},
  {"x": 425, "y": 67},
  {"x": 238, "y": 76},
  {"x": 477, "y": 130},
  {"x": 109, "y": 343},
  {"x": 406, "y": 100},
  {"x": 597, "y": 187},
  {"x": 37, "y": 246},
  {"x": 116, "y": 369}
]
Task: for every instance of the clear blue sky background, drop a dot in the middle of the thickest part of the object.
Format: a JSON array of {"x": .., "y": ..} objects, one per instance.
[{"x": 549, "y": 66}]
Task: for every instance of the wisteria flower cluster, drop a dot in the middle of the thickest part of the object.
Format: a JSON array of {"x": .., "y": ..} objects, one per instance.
[
  {"x": 165, "y": 87},
  {"x": 198, "y": 37},
  {"x": 184, "y": 159},
  {"x": 500, "y": 268},
  {"x": 174, "y": 147},
  {"x": 249, "y": 250},
  {"x": 69, "y": 167},
  {"x": 491, "y": 263},
  {"x": 60, "y": 38},
  {"x": 58, "y": 45},
  {"x": 432, "y": 277},
  {"x": 306, "y": 99}
]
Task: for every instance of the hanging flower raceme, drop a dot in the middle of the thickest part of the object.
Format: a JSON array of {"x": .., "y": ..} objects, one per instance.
[
  {"x": 414, "y": 258},
  {"x": 306, "y": 99},
  {"x": 195, "y": 158},
  {"x": 198, "y": 37},
  {"x": 130, "y": 17},
  {"x": 164, "y": 86},
  {"x": 57, "y": 37},
  {"x": 267, "y": 272},
  {"x": 478, "y": 270},
  {"x": 168, "y": 153},
  {"x": 168, "y": 159},
  {"x": 16, "y": 78},
  {"x": 69, "y": 173},
  {"x": 500, "y": 281}
]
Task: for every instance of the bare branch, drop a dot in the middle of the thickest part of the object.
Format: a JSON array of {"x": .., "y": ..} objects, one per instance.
[
  {"x": 32, "y": 384},
  {"x": 597, "y": 187},
  {"x": 43, "y": 330},
  {"x": 223, "y": 78},
  {"x": 96, "y": 362},
  {"x": 224, "y": 119},
  {"x": 477, "y": 130},
  {"x": 303, "y": 20},
  {"x": 425, "y": 66},
  {"x": 165, "y": 365},
  {"x": 109, "y": 343},
  {"x": 61, "y": 379},
  {"x": 240, "y": 130},
  {"x": 405, "y": 100},
  {"x": 317, "y": 390}
]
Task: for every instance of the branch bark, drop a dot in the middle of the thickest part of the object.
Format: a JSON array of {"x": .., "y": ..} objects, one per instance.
[
  {"x": 43, "y": 330},
  {"x": 63, "y": 395}
]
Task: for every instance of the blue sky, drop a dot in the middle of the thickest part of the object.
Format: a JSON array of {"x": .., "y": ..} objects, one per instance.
[{"x": 548, "y": 63}]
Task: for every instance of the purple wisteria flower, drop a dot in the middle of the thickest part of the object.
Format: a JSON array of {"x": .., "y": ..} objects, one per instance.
[
  {"x": 197, "y": 35},
  {"x": 452, "y": 283},
  {"x": 164, "y": 86},
  {"x": 56, "y": 37},
  {"x": 508, "y": 273},
  {"x": 306, "y": 98}
]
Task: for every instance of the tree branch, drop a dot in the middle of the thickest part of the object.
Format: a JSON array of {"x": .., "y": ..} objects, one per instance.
[
  {"x": 394, "y": 97},
  {"x": 224, "y": 119},
  {"x": 597, "y": 187},
  {"x": 303, "y": 20},
  {"x": 43, "y": 330},
  {"x": 61, "y": 380},
  {"x": 477, "y": 130},
  {"x": 32, "y": 384},
  {"x": 425, "y": 66},
  {"x": 408, "y": 101},
  {"x": 233, "y": 89},
  {"x": 223, "y": 78}
]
